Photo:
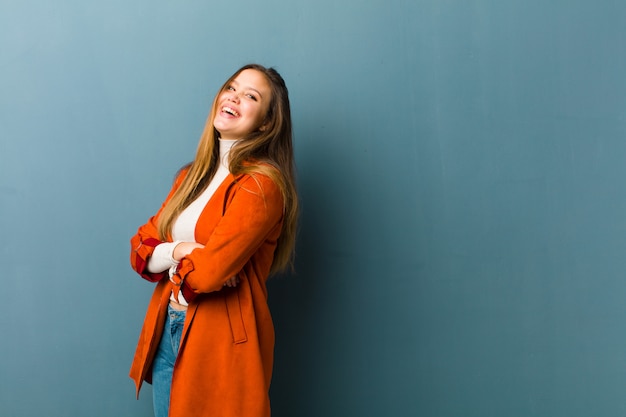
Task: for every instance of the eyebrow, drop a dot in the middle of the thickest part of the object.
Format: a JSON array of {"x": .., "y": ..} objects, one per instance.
[{"x": 248, "y": 88}]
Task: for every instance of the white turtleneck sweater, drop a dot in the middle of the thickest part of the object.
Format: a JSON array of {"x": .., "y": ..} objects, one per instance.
[{"x": 183, "y": 229}]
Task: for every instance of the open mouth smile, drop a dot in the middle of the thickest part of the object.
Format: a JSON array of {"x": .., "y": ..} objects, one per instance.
[{"x": 231, "y": 111}]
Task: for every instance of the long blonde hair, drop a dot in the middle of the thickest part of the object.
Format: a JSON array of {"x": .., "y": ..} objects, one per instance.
[{"x": 268, "y": 152}]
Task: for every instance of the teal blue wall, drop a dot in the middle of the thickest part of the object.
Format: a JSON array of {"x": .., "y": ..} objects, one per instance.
[{"x": 461, "y": 171}]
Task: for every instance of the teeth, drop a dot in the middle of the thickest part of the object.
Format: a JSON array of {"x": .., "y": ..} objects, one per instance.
[{"x": 230, "y": 111}]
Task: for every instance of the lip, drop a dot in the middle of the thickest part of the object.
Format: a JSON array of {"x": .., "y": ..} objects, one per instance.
[{"x": 232, "y": 112}]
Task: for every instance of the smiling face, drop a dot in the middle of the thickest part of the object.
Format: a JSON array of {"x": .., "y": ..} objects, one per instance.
[{"x": 242, "y": 105}]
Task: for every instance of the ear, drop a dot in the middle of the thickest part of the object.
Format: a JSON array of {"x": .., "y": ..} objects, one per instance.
[{"x": 265, "y": 124}]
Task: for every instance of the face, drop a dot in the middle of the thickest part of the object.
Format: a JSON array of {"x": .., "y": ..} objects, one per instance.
[{"x": 242, "y": 105}]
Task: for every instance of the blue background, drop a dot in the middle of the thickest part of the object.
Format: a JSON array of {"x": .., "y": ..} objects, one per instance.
[{"x": 461, "y": 173}]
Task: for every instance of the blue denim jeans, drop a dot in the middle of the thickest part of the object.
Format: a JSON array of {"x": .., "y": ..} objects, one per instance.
[{"x": 163, "y": 364}]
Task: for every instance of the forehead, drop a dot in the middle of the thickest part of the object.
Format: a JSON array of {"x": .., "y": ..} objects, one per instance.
[{"x": 251, "y": 78}]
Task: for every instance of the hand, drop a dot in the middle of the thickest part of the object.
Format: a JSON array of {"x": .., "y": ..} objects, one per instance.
[
  {"x": 232, "y": 282},
  {"x": 184, "y": 248}
]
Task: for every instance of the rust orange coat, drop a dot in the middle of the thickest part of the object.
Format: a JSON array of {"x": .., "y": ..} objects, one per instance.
[{"x": 225, "y": 360}]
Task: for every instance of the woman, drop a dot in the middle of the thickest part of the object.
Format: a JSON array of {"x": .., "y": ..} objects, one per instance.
[{"x": 227, "y": 224}]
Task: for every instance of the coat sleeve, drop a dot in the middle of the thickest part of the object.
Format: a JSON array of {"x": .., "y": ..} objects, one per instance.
[
  {"x": 142, "y": 244},
  {"x": 254, "y": 211}
]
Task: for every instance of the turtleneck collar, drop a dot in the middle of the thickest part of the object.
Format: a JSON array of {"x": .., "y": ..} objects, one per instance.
[{"x": 225, "y": 147}]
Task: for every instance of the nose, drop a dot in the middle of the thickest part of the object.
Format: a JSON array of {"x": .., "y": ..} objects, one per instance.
[{"x": 234, "y": 97}]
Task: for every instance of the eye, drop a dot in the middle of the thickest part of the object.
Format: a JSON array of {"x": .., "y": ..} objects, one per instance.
[
  {"x": 251, "y": 96},
  {"x": 230, "y": 88}
]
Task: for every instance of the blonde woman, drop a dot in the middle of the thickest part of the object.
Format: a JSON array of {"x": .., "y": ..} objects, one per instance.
[{"x": 228, "y": 223}]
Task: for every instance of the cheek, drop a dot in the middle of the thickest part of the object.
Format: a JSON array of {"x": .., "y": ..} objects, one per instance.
[
  {"x": 259, "y": 116},
  {"x": 263, "y": 114}
]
